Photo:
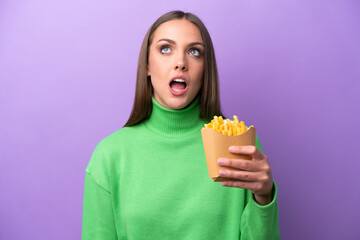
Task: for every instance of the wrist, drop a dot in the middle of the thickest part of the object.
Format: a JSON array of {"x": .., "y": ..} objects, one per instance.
[{"x": 263, "y": 199}]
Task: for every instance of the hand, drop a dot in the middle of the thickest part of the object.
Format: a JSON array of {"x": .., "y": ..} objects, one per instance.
[{"x": 254, "y": 174}]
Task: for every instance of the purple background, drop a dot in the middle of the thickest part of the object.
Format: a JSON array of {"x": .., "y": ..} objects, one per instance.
[{"x": 67, "y": 71}]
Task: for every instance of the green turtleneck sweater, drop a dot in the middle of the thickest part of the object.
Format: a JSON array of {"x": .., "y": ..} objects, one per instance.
[{"x": 150, "y": 181}]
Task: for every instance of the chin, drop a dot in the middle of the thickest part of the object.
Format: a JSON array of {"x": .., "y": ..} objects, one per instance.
[{"x": 178, "y": 104}]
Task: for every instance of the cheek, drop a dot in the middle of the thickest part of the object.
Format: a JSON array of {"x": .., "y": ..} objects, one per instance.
[
  {"x": 158, "y": 68},
  {"x": 154, "y": 64},
  {"x": 199, "y": 74},
  {"x": 157, "y": 76}
]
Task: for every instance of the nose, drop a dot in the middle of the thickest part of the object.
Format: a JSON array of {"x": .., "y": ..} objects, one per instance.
[
  {"x": 180, "y": 63},
  {"x": 180, "y": 66}
]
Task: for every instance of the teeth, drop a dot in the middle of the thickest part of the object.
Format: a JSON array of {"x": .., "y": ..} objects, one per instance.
[
  {"x": 178, "y": 80},
  {"x": 176, "y": 90}
]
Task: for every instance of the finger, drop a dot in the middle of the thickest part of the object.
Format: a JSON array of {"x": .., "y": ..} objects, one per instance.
[
  {"x": 253, "y": 186},
  {"x": 242, "y": 175},
  {"x": 247, "y": 150},
  {"x": 246, "y": 165}
]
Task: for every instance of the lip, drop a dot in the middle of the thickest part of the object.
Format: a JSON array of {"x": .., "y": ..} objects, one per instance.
[
  {"x": 179, "y": 76},
  {"x": 179, "y": 92}
]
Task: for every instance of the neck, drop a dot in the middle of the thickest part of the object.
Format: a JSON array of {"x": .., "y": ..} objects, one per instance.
[{"x": 175, "y": 122}]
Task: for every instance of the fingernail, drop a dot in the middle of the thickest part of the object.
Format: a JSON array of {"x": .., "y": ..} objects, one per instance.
[
  {"x": 221, "y": 161},
  {"x": 232, "y": 148},
  {"x": 222, "y": 173}
]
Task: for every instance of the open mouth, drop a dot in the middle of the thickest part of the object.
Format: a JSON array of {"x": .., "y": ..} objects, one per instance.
[{"x": 178, "y": 84}]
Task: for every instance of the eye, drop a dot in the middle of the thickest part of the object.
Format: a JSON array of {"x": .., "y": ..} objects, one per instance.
[
  {"x": 165, "y": 49},
  {"x": 195, "y": 52}
]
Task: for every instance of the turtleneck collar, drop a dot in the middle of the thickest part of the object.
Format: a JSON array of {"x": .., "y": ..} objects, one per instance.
[{"x": 175, "y": 122}]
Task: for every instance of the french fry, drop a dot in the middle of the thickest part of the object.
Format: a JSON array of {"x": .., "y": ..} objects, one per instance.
[
  {"x": 227, "y": 127},
  {"x": 216, "y": 141}
]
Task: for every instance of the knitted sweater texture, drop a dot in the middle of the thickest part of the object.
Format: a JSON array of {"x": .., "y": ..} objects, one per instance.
[{"x": 150, "y": 181}]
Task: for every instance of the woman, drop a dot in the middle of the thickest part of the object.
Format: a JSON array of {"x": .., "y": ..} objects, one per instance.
[{"x": 149, "y": 179}]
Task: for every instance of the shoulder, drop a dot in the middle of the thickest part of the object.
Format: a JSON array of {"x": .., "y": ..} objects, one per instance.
[
  {"x": 108, "y": 151},
  {"x": 119, "y": 138}
]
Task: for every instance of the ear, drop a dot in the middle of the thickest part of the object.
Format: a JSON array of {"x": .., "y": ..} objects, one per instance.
[{"x": 148, "y": 71}]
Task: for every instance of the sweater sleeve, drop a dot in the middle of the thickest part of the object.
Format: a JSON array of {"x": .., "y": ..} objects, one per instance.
[
  {"x": 98, "y": 216},
  {"x": 260, "y": 222}
]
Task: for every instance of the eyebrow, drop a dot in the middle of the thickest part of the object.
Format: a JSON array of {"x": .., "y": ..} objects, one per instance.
[{"x": 173, "y": 42}]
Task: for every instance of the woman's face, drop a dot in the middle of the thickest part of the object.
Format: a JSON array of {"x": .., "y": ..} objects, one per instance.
[{"x": 176, "y": 63}]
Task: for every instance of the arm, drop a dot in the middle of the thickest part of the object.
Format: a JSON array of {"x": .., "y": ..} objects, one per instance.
[
  {"x": 260, "y": 222},
  {"x": 98, "y": 217},
  {"x": 260, "y": 217}
]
